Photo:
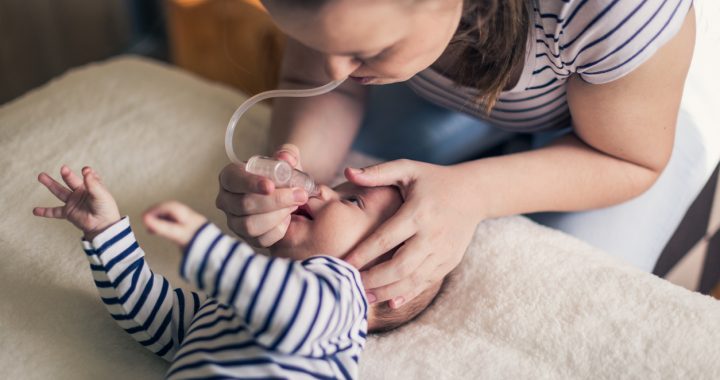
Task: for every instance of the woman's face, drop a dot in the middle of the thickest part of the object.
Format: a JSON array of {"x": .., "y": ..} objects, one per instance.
[{"x": 372, "y": 41}]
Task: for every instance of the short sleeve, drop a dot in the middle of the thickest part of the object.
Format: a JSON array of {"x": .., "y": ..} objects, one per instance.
[{"x": 609, "y": 39}]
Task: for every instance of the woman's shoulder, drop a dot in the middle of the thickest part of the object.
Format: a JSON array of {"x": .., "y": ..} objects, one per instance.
[{"x": 602, "y": 40}]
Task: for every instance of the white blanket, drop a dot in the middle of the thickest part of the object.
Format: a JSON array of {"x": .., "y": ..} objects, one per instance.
[{"x": 526, "y": 302}]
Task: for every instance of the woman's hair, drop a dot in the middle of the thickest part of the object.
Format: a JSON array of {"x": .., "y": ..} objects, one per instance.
[{"x": 489, "y": 43}]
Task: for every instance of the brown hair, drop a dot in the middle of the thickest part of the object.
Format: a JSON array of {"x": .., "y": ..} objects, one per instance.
[
  {"x": 490, "y": 42},
  {"x": 386, "y": 318}
]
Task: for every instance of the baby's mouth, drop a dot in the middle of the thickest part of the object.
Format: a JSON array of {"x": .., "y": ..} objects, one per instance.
[{"x": 303, "y": 211}]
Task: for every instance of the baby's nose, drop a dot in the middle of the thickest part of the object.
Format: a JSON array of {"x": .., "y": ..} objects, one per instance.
[{"x": 327, "y": 193}]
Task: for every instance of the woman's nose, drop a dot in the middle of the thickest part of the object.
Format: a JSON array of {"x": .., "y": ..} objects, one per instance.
[{"x": 340, "y": 67}]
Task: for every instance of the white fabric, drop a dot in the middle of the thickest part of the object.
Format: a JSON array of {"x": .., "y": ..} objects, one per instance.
[{"x": 526, "y": 302}]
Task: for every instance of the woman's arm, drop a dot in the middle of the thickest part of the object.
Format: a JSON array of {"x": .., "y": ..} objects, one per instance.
[
  {"x": 624, "y": 133},
  {"x": 323, "y": 127}
]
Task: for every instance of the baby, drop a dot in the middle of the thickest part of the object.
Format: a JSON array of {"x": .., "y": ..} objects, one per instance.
[{"x": 301, "y": 313}]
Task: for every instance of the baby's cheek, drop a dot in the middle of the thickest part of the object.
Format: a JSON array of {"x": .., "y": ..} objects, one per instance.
[{"x": 336, "y": 240}]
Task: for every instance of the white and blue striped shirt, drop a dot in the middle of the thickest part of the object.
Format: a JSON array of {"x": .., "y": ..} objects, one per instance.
[
  {"x": 599, "y": 41},
  {"x": 255, "y": 317}
]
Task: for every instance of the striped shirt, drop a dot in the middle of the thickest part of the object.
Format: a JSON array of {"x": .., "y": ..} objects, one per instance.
[
  {"x": 599, "y": 41},
  {"x": 256, "y": 316}
]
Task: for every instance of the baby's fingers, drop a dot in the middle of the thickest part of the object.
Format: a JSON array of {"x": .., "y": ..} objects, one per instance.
[
  {"x": 56, "y": 188},
  {"x": 160, "y": 225},
  {"x": 49, "y": 212},
  {"x": 70, "y": 178}
]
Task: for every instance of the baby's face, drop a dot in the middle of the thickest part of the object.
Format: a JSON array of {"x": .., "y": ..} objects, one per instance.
[{"x": 333, "y": 222}]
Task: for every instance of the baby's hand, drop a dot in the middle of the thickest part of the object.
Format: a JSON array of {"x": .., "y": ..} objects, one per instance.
[
  {"x": 173, "y": 221},
  {"x": 88, "y": 204}
]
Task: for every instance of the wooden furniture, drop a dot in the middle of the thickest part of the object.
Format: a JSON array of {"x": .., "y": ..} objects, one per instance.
[{"x": 229, "y": 41}]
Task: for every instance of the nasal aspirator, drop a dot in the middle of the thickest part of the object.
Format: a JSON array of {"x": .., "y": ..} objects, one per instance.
[{"x": 281, "y": 173}]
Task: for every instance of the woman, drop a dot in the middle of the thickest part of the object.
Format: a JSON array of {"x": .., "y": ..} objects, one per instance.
[{"x": 610, "y": 73}]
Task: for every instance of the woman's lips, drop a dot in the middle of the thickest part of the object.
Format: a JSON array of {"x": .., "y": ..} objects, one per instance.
[{"x": 362, "y": 80}]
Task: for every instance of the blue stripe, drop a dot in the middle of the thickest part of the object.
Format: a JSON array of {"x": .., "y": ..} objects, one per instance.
[
  {"x": 290, "y": 324},
  {"x": 115, "y": 283},
  {"x": 556, "y": 98},
  {"x": 113, "y": 240},
  {"x": 110, "y": 264},
  {"x": 246, "y": 363},
  {"x": 207, "y": 325},
  {"x": 280, "y": 293},
  {"x": 196, "y": 302},
  {"x": 341, "y": 367},
  {"x": 258, "y": 289},
  {"x": 589, "y": 25},
  {"x": 562, "y": 105},
  {"x": 542, "y": 85},
  {"x": 638, "y": 31},
  {"x": 223, "y": 265},
  {"x": 128, "y": 293},
  {"x": 205, "y": 258},
  {"x": 159, "y": 332},
  {"x": 158, "y": 303},
  {"x": 181, "y": 311},
  {"x": 312, "y": 323},
  {"x": 98, "y": 268},
  {"x": 188, "y": 247},
  {"x": 608, "y": 34},
  {"x": 139, "y": 303},
  {"x": 349, "y": 317},
  {"x": 643, "y": 48},
  {"x": 233, "y": 346},
  {"x": 165, "y": 349},
  {"x": 238, "y": 282},
  {"x": 530, "y": 97},
  {"x": 212, "y": 337}
]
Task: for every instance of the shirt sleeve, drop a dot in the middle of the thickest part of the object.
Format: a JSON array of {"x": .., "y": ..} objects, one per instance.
[
  {"x": 314, "y": 307},
  {"x": 140, "y": 301},
  {"x": 605, "y": 40}
]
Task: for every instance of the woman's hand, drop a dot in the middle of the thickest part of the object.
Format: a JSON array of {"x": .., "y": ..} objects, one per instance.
[
  {"x": 173, "y": 221},
  {"x": 88, "y": 203},
  {"x": 255, "y": 209},
  {"x": 434, "y": 225}
]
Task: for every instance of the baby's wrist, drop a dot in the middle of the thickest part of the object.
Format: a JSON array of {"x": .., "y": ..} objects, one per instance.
[{"x": 92, "y": 233}]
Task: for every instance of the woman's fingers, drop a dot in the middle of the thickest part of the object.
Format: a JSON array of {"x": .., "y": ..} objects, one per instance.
[
  {"x": 404, "y": 290},
  {"x": 389, "y": 235},
  {"x": 234, "y": 179},
  {"x": 259, "y": 224},
  {"x": 72, "y": 180},
  {"x": 56, "y": 188},
  {"x": 251, "y": 204},
  {"x": 404, "y": 263},
  {"x": 397, "y": 172},
  {"x": 49, "y": 212},
  {"x": 275, "y": 234},
  {"x": 289, "y": 153}
]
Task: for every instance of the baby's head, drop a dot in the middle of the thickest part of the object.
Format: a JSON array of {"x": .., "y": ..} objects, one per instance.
[{"x": 334, "y": 222}]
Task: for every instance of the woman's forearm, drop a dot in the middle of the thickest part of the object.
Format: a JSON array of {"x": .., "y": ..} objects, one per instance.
[
  {"x": 323, "y": 127},
  {"x": 567, "y": 175}
]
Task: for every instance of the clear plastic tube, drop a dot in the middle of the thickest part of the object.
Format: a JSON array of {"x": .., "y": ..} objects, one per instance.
[
  {"x": 266, "y": 95},
  {"x": 281, "y": 173}
]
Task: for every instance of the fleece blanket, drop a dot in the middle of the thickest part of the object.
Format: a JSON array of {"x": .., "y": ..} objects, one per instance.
[{"x": 526, "y": 302}]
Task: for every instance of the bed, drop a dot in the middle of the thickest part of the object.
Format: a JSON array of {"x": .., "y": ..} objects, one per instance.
[{"x": 526, "y": 302}]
